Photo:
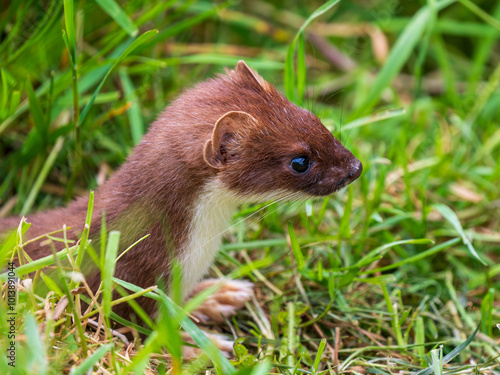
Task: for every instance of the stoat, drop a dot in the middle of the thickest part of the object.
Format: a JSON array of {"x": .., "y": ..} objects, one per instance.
[{"x": 230, "y": 140}]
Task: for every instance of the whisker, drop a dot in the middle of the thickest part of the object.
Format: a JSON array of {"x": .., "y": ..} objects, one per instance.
[
  {"x": 341, "y": 118},
  {"x": 225, "y": 230},
  {"x": 240, "y": 221},
  {"x": 255, "y": 221},
  {"x": 196, "y": 250}
]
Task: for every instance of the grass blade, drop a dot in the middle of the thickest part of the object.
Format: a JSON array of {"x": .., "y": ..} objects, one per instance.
[
  {"x": 109, "y": 270},
  {"x": 119, "y": 15},
  {"x": 36, "y": 112},
  {"x": 344, "y": 226},
  {"x": 220, "y": 361},
  {"x": 398, "y": 56},
  {"x": 380, "y": 116},
  {"x": 9, "y": 243},
  {"x": 318, "y": 12},
  {"x": 144, "y": 38},
  {"x": 437, "y": 360},
  {"x": 487, "y": 312},
  {"x": 69, "y": 21},
  {"x": 299, "y": 258},
  {"x": 447, "y": 358},
  {"x": 379, "y": 251},
  {"x": 39, "y": 360},
  {"x": 134, "y": 112},
  {"x": 321, "y": 348},
  {"x": 481, "y": 13},
  {"x": 417, "y": 257},
  {"x": 420, "y": 339},
  {"x": 85, "y": 236},
  {"x": 301, "y": 70},
  {"x": 5, "y": 93},
  {"x": 289, "y": 78},
  {"x": 197, "y": 335},
  {"x": 36, "y": 264},
  {"x": 42, "y": 176},
  {"x": 88, "y": 364},
  {"x": 452, "y": 218}
]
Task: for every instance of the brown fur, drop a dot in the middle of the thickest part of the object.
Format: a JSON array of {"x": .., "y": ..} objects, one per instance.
[{"x": 236, "y": 127}]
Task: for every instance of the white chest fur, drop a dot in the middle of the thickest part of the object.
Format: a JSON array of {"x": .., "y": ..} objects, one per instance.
[{"x": 212, "y": 214}]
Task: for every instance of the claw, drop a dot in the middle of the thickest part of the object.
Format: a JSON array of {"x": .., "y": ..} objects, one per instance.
[{"x": 231, "y": 297}]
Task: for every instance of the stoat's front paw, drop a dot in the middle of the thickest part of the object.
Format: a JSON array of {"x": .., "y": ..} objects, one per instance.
[
  {"x": 220, "y": 341},
  {"x": 225, "y": 302}
]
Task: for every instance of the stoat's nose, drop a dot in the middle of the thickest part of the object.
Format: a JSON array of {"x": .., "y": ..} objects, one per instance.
[
  {"x": 355, "y": 170},
  {"x": 351, "y": 173}
]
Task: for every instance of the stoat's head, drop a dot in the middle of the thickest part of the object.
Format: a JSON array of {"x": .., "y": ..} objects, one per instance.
[{"x": 266, "y": 144}]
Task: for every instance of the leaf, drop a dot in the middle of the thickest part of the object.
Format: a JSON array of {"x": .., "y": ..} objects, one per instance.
[
  {"x": 399, "y": 55},
  {"x": 52, "y": 285},
  {"x": 260, "y": 369},
  {"x": 190, "y": 22},
  {"x": 289, "y": 78},
  {"x": 321, "y": 348},
  {"x": 38, "y": 357},
  {"x": 487, "y": 312},
  {"x": 37, "y": 264},
  {"x": 379, "y": 251},
  {"x": 141, "y": 360},
  {"x": 344, "y": 227},
  {"x": 481, "y": 13},
  {"x": 88, "y": 364},
  {"x": 15, "y": 99},
  {"x": 119, "y": 15},
  {"x": 189, "y": 326},
  {"x": 437, "y": 360},
  {"x": 299, "y": 258},
  {"x": 36, "y": 112},
  {"x": 452, "y": 218},
  {"x": 8, "y": 243},
  {"x": 318, "y": 12},
  {"x": 69, "y": 21},
  {"x": 85, "y": 235},
  {"x": 416, "y": 257},
  {"x": 5, "y": 93},
  {"x": 109, "y": 270},
  {"x": 144, "y": 38},
  {"x": 301, "y": 69},
  {"x": 84, "y": 238},
  {"x": 42, "y": 176},
  {"x": 380, "y": 116},
  {"x": 420, "y": 338},
  {"x": 447, "y": 358},
  {"x": 197, "y": 335},
  {"x": 134, "y": 112}
]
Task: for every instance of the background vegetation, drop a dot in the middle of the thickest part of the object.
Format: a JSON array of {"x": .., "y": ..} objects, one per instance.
[{"x": 390, "y": 275}]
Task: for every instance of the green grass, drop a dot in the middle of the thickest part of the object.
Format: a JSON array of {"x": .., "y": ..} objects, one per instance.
[{"x": 398, "y": 272}]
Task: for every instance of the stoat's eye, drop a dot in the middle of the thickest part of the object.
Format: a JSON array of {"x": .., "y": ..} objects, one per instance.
[{"x": 300, "y": 164}]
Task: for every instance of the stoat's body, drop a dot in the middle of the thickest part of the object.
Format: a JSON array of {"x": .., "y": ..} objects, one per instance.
[{"x": 227, "y": 141}]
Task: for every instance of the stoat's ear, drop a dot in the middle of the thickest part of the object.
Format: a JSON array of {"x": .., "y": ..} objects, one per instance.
[
  {"x": 244, "y": 70},
  {"x": 224, "y": 147}
]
